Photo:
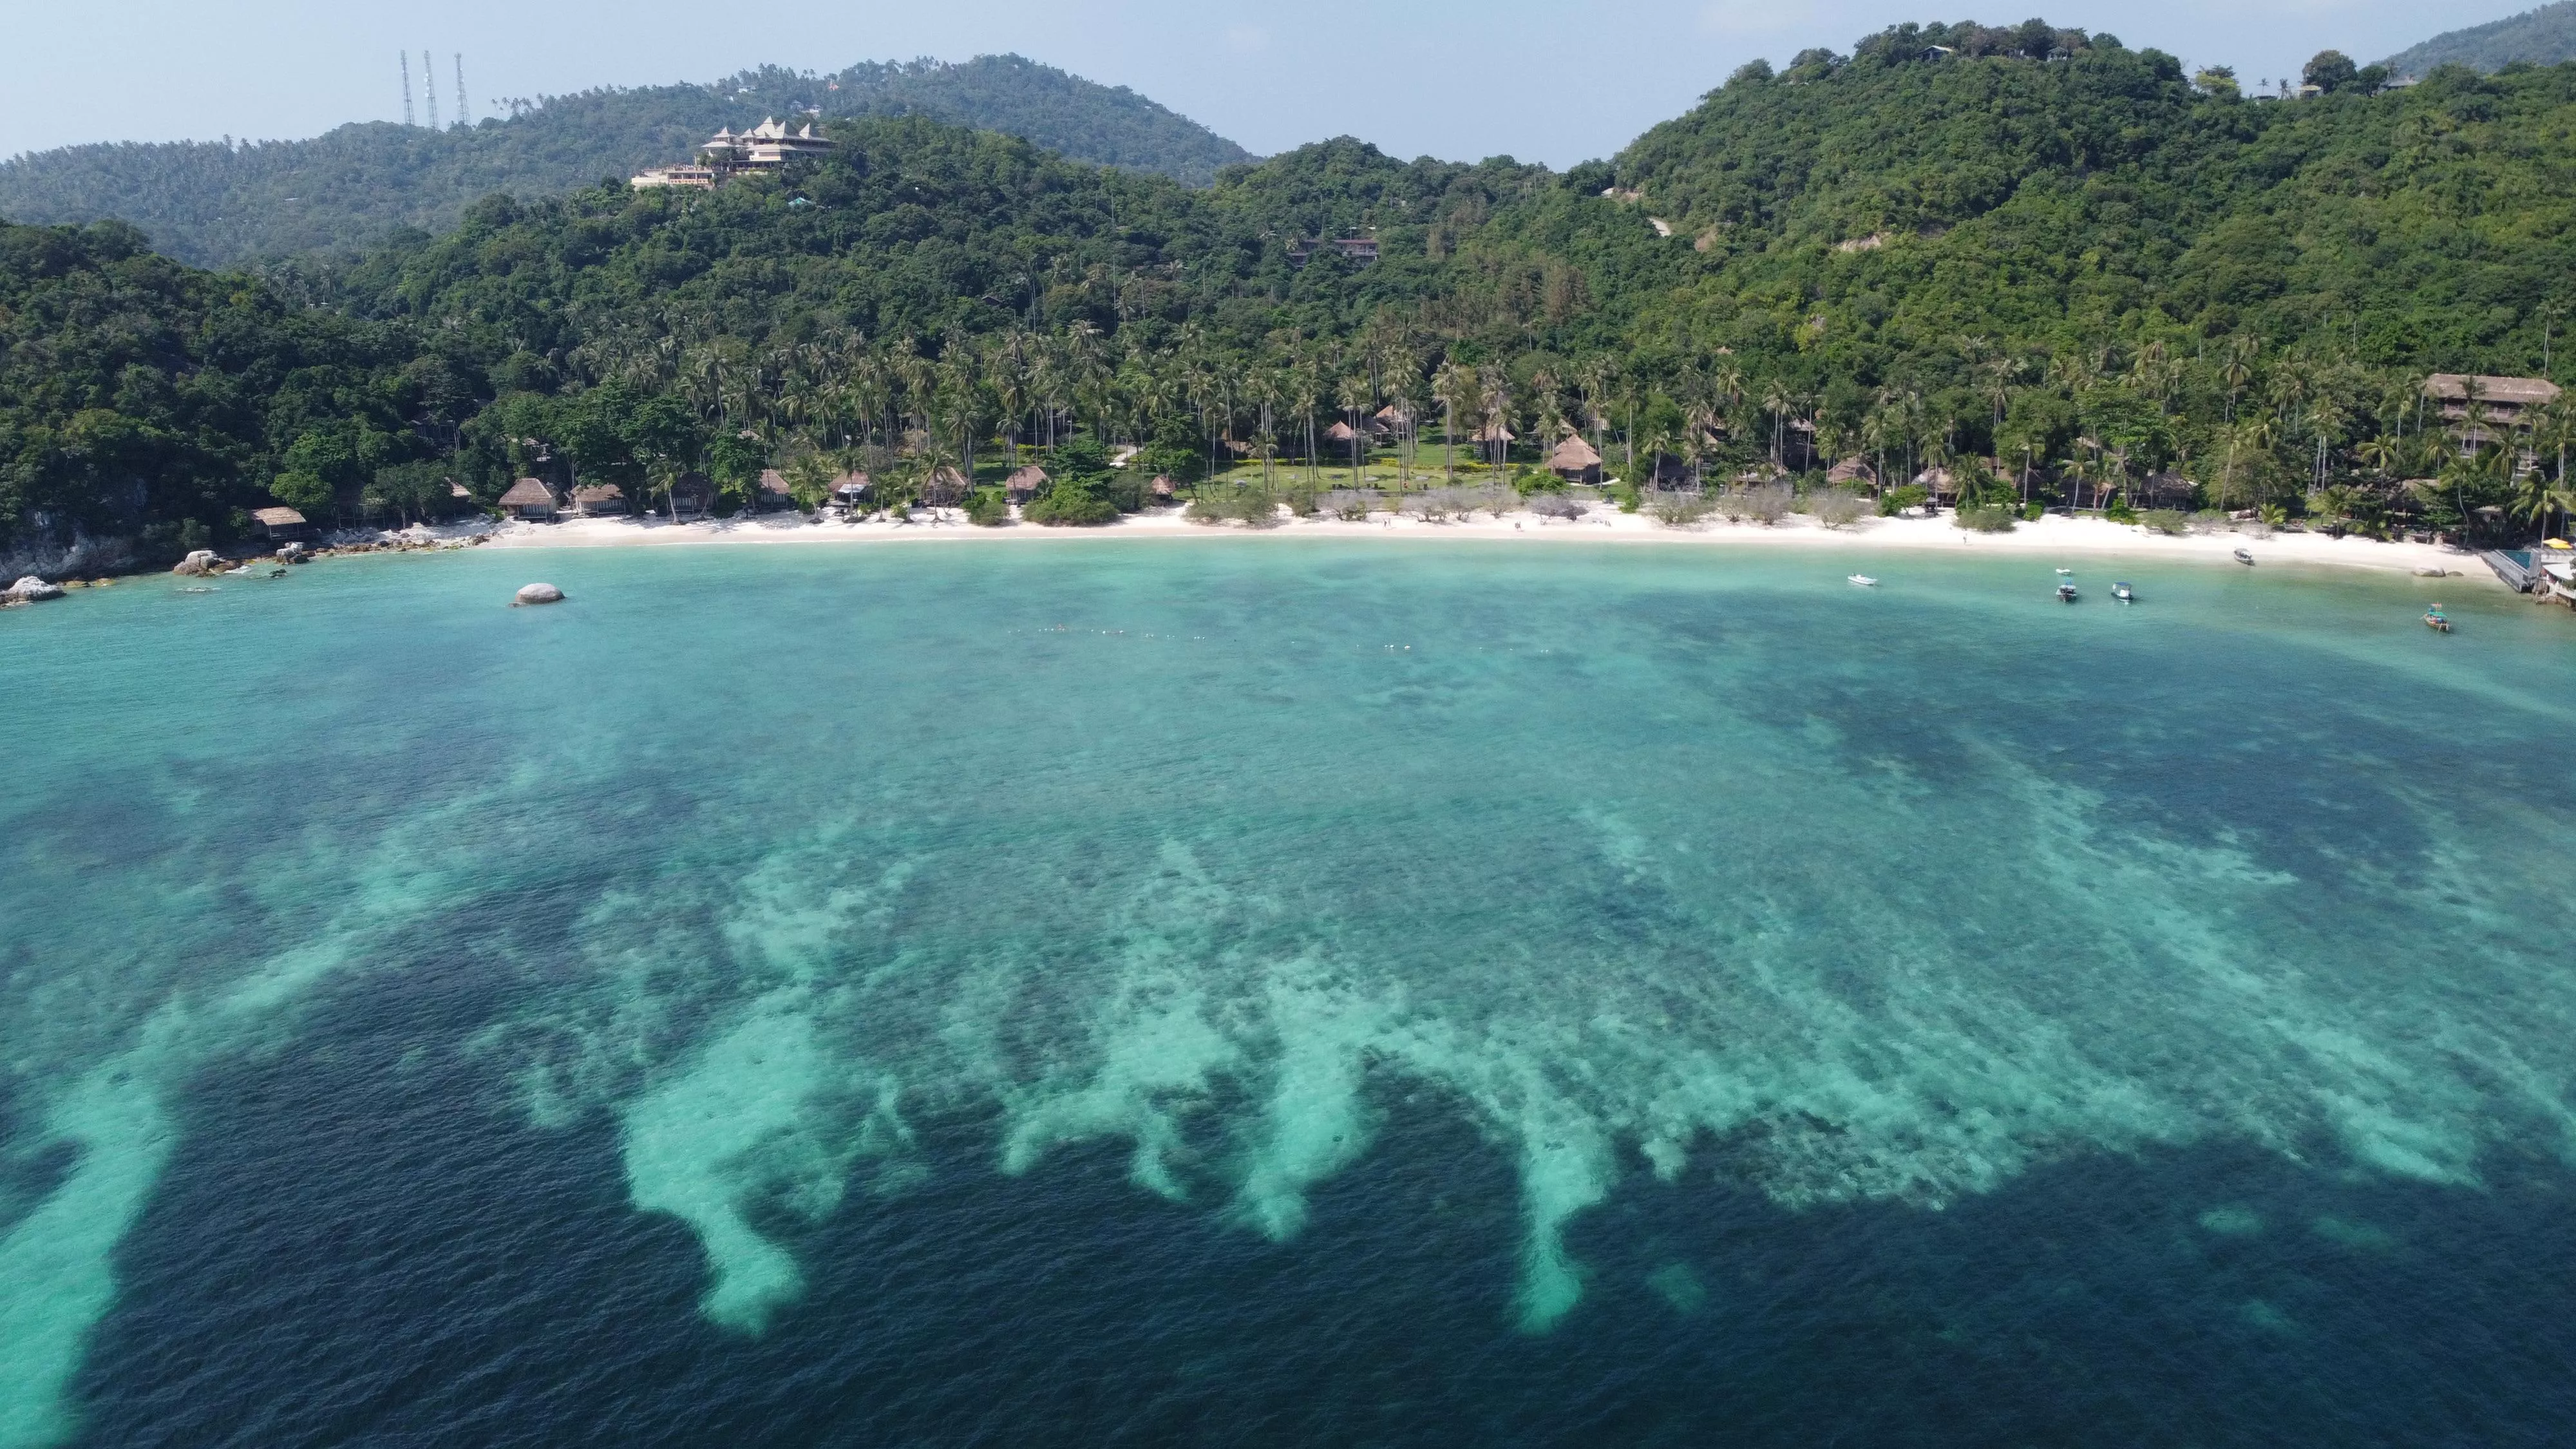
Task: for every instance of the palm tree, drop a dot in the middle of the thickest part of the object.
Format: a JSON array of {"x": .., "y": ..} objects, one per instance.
[
  {"x": 1355, "y": 395},
  {"x": 1777, "y": 400},
  {"x": 1455, "y": 385},
  {"x": 1497, "y": 401},
  {"x": 1595, "y": 375}
]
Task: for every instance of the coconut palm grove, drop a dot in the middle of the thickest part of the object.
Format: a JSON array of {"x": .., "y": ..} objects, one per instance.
[{"x": 2019, "y": 266}]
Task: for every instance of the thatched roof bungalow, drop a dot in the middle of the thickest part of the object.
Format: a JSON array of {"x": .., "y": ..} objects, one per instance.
[
  {"x": 1025, "y": 483},
  {"x": 1575, "y": 461},
  {"x": 773, "y": 491},
  {"x": 599, "y": 498},
  {"x": 529, "y": 499},
  {"x": 281, "y": 524},
  {"x": 1849, "y": 471},
  {"x": 852, "y": 487},
  {"x": 1161, "y": 486}
]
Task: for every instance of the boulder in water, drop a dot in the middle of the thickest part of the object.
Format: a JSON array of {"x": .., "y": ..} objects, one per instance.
[
  {"x": 538, "y": 594},
  {"x": 196, "y": 565},
  {"x": 31, "y": 589}
]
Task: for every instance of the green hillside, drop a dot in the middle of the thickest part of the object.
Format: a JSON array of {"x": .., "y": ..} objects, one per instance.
[
  {"x": 1954, "y": 244},
  {"x": 213, "y": 203},
  {"x": 2546, "y": 36}
]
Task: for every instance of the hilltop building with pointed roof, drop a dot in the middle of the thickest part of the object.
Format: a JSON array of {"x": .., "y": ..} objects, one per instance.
[{"x": 768, "y": 146}]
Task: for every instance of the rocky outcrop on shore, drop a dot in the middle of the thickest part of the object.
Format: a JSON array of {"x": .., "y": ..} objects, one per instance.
[{"x": 31, "y": 590}]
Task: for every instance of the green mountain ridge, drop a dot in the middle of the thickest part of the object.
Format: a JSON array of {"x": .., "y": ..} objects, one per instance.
[
  {"x": 2546, "y": 36},
  {"x": 1951, "y": 245},
  {"x": 213, "y": 203}
]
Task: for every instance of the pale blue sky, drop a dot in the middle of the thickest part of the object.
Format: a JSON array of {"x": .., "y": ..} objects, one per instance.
[{"x": 1455, "y": 78}]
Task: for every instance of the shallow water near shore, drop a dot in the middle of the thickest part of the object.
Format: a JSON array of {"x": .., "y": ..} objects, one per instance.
[{"x": 1318, "y": 992}]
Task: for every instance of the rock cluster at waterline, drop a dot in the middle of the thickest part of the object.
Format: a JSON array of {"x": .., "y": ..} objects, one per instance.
[
  {"x": 538, "y": 594},
  {"x": 31, "y": 589}
]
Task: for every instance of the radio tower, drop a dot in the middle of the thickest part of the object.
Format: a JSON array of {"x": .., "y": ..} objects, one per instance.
[
  {"x": 406, "y": 64},
  {"x": 429, "y": 89},
  {"x": 464, "y": 117}
]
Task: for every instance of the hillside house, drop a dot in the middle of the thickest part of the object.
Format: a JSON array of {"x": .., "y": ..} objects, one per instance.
[
  {"x": 2487, "y": 410},
  {"x": 1359, "y": 249}
]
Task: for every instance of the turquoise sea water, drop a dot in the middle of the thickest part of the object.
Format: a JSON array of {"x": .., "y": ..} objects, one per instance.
[{"x": 1283, "y": 991}]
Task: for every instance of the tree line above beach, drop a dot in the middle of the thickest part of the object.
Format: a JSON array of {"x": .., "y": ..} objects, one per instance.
[{"x": 2020, "y": 260}]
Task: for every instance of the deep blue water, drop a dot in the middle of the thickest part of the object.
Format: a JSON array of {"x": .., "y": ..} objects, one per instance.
[{"x": 1271, "y": 992}]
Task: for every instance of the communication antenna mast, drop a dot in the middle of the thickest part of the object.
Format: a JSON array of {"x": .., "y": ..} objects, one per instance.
[
  {"x": 429, "y": 89},
  {"x": 406, "y": 64},
  {"x": 464, "y": 117}
]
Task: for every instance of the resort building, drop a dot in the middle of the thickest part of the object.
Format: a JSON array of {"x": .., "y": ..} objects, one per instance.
[
  {"x": 1025, "y": 483},
  {"x": 768, "y": 146},
  {"x": 696, "y": 178},
  {"x": 2476, "y": 403}
]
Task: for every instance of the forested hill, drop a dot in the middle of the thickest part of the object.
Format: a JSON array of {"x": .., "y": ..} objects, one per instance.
[
  {"x": 2545, "y": 36},
  {"x": 214, "y": 203},
  {"x": 1952, "y": 243}
]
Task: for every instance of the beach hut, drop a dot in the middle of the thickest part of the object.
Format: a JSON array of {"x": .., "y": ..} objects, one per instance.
[
  {"x": 1575, "y": 461},
  {"x": 1161, "y": 487},
  {"x": 280, "y": 524},
  {"x": 1850, "y": 471},
  {"x": 1390, "y": 422},
  {"x": 852, "y": 489},
  {"x": 1025, "y": 484},
  {"x": 2162, "y": 490},
  {"x": 773, "y": 491},
  {"x": 599, "y": 498},
  {"x": 1339, "y": 434},
  {"x": 529, "y": 499},
  {"x": 692, "y": 494},
  {"x": 1666, "y": 473},
  {"x": 945, "y": 487}
]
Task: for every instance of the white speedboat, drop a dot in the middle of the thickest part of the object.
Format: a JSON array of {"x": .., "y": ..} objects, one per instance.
[
  {"x": 2066, "y": 593},
  {"x": 1862, "y": 581},
  {"x": 2065, "y": 573},
  {"x": 2124, "y": 593},
  {"x": 2244, "y": 558}
]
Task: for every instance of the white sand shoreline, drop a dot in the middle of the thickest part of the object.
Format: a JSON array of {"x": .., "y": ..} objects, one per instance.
[{"x": 2054, "y": 535}]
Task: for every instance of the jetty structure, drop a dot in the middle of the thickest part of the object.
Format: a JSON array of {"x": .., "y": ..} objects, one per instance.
[{"x": 766, "y": 147}]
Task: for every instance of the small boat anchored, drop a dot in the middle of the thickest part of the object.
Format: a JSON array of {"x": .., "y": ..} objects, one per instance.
[
  {"x": 2065, "y": 573},
  {"x": 2124, "y": 593},
  {"x": 2245, "y": 558},
  {"x": 2436, "y": 620},
  {"x": 2066, "y": 593},
  {"x": 1863, "y": 581}
]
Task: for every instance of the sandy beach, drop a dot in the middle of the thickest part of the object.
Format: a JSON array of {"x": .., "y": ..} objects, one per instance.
[{"x": 2053, "y": 536}]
